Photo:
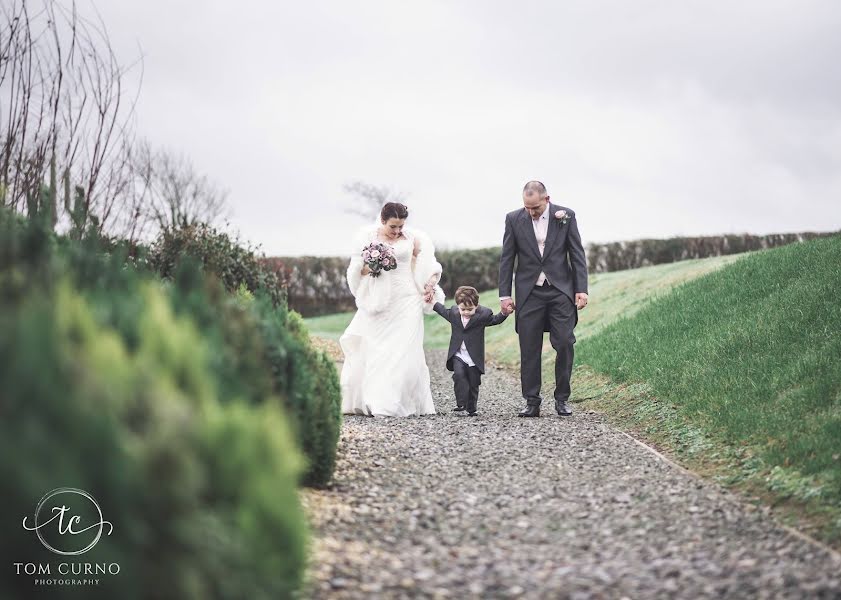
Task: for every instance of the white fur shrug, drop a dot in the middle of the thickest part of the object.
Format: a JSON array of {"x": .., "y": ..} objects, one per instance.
[{"x": 372, "y": 294}]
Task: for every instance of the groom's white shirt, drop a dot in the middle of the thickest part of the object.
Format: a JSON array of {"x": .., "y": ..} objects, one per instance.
[
  {"x": 462, "y": 353},
  {"x": 541, "y": 228}
]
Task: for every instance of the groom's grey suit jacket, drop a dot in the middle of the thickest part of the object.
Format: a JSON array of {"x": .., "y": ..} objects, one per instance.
[
  {"x": 473, "y": 335},
  {"x": 563, "y": 259}
]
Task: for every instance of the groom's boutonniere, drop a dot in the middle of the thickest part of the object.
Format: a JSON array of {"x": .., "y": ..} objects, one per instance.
[{"x": 562, "y": 217}]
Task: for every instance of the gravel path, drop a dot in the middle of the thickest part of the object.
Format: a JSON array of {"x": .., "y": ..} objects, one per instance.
[{"x": 497, "y": 506}]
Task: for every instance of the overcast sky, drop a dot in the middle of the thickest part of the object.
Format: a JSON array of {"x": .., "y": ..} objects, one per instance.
[{"x": 649, "y": 118}]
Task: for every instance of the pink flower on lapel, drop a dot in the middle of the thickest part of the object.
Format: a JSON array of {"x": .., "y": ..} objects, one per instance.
[{"x": 562, "y": 216}]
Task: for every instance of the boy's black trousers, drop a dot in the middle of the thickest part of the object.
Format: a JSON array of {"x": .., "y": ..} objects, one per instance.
[{"x": 466, "y": 382}]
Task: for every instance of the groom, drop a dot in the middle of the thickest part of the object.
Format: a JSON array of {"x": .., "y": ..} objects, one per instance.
[{"x": 551, "y": 286}]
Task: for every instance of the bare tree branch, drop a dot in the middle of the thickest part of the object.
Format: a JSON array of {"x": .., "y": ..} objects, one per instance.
[
  {"x": 64, "y": 114},
  {"x": 368, "y": 199},
  {"x": 172, "y": 193}
]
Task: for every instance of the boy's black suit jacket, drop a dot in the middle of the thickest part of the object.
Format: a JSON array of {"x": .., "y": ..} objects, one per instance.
[{"x": 473, "y": 335}]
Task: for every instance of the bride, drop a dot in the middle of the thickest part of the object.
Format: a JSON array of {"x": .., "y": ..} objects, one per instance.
[{"x": 385, "y": 372}]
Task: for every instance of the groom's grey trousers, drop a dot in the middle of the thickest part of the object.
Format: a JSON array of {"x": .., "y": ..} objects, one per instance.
[{"x": 546, "y": 305}]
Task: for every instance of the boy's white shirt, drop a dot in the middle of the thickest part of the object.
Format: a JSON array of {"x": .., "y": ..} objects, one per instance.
[{"x": 462, "y": 353}]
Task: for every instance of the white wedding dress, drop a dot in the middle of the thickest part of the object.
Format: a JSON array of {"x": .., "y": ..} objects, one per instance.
[{"x": 385, "y": 372}]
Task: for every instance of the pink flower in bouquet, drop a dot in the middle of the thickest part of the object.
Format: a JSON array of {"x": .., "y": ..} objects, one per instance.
[{"x": 379, "y": 257}]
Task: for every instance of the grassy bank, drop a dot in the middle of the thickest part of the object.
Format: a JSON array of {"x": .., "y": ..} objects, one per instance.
[{"x": 737, "y": 375}]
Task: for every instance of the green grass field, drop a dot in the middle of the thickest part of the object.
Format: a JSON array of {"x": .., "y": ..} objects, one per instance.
[{"x": 739, "y": 374}]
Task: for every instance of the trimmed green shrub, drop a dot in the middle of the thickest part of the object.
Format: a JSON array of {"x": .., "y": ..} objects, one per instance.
[
  {"x": 261, "y": 349},
  {"x": 202, "y": 493},
  {"x": 107, "y": 389},
  {"x": 307, "y": 381},
  {"x": 227, "y": 259},
  {"x": 257, "y": 349}
]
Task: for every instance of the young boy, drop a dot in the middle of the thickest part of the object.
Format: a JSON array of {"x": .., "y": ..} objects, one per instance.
[{"x": 466, "y": 356}]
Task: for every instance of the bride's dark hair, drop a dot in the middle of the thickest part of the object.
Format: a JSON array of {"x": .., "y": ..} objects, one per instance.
[{"x": 393, "y": 210}]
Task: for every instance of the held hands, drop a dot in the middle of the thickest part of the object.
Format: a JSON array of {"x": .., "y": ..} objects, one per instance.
[
  {"x": 507, "y": 306},
  {"x": 429, "y": 290}
]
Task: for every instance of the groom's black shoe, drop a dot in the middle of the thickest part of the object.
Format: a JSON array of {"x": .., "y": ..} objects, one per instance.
[
  {"x": 563, "y": 408},
  {"x": 459, "y": 409},
  {"x": 530, "y": 411}
]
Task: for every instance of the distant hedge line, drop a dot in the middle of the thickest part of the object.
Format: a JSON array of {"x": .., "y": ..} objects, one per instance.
[
  {"x": 317, "y": 286},
  {"x": 618, "y": 256}
]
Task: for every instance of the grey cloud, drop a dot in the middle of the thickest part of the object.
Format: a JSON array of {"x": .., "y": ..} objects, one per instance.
[{"x": 651, "y": 118}]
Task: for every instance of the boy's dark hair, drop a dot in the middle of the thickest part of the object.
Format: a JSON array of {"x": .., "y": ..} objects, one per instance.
[{"x": 467, "y": 295}]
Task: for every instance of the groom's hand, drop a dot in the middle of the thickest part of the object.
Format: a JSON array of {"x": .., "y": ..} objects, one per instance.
[
  {"x": 507, "y": 305},
  {"x": 581, "y": 300}
]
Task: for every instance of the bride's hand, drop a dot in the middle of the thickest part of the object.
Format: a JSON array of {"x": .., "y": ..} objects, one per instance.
[
  {"x": 428, "y": 296},
  {"x": 365, "y": 269}
]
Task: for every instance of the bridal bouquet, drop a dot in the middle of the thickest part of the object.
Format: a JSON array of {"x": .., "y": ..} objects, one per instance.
[{"x": 379, "y": 257}]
